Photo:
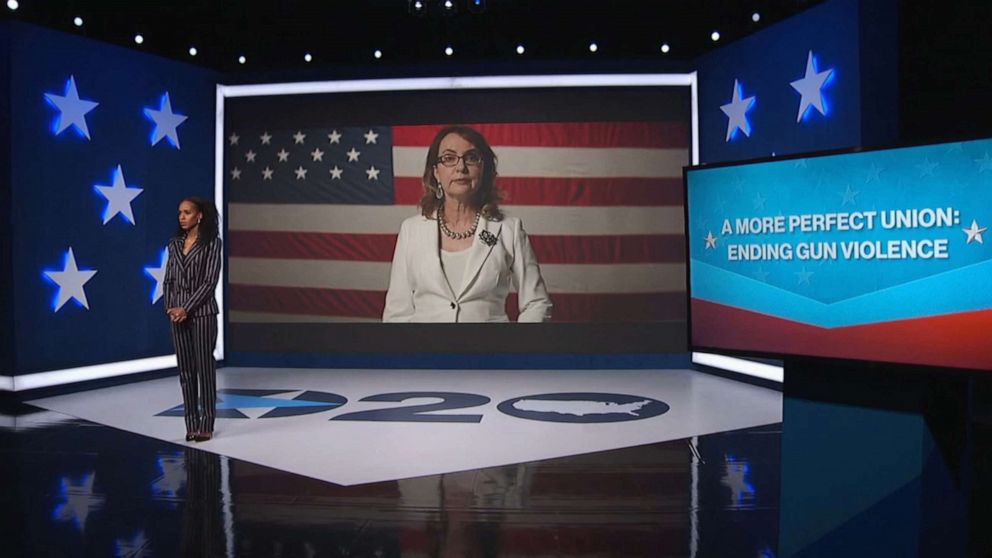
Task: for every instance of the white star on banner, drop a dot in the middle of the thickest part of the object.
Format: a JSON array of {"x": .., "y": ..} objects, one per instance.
[
  {"x": 336, "y": 173},
  {"x": 810, "y": 88},
  {"x": 736, "y": 111},
  {"x": 266, "y": 173},
  {"x": 710, "y": 240},
  {"x": 803, "y": 276},
  {"x": 372, "y": 172},
  {"x": 266, "y": 138},
  {"x": 985, "y": 163},
  {"x": 975, "y": 233},
  {"x": 370, "y": 137},
  {"x": 250, "y": 156},
  {"x": 761, "y": 275},
  {"x": 298, "y": 137},
  {"x": 70, "y": 281},
  {"x": 283, "y": 155},
  {"x": 800, "y": 164},
  {"x": 848, "y": 196},
  {"x": 353, "y": 155},
  {"x": 334, "y": 137},
  {"x": 72, "y": 109},
  {"x": 927, "y": 167},
  {"x": 158, "y": 274},
  {"x": 759, "y": 201},
  {"x": 873, "y": 173},
  {"x": 234, "y": 139},
  {"x": 166, "y": 122},
  {"x": 119, "y": 197},
  {"x": 301, "y": 173},
  {"x": 317, "y": 155},
  {"x": 235, "y": 173}
]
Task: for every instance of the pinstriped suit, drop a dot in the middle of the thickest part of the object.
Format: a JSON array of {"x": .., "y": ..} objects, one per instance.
[{"x": 190, "y": 281}]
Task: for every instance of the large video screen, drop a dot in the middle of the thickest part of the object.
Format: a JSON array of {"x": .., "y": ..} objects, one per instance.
[
  {"x": 332, "y": 206},
  {"x": 876, "y": 255}
]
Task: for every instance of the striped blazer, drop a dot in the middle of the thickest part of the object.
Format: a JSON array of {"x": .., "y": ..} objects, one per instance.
[{"x": 191, "y": 279}]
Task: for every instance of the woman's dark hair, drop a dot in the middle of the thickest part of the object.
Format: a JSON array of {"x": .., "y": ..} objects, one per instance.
[
  {"x": 486, "y": 198},
  {"x": 209, "y": 225}
]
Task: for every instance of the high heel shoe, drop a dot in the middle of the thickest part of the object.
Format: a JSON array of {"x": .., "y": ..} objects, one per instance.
[{"x": 203, "y": 436}]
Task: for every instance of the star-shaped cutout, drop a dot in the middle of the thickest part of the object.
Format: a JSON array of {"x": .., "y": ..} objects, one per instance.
[
  {"x": 283, "y": 155},
  {"x": 298, "y": 137},
  {"x": 759, "y": 201},
  {"x": 250, "y": 156},
  {"x": 985, "y": 163},
  {"x": 803, "y": 276},
  {"x": 72, "y": 109},
  {"x": 165, "y": 121},
  {"x": 848, "y": 196},
  {"x": 927, "y": 167},
  {"x": 301, "y": 173},
  {"x": 372, "y": 172},
  {"x": 353, "y": 155},
  {"x": 736, "y": 111},
  {"x": 119, "y": 197},
  {"x": 70, "y": 281},
  {"x": 370, "y": 137},
  {"x": 234, "y": 139},
  {"x": 710, "y": 240},
  {"x": 79, "y": 500},
  {"x": 975, "y": 233},
  {"x": 158, "y": 274},
  {"x": 266, "y": 173},
  {"x": 336, "y": 173},
  {"x": 265, "y": 138},
  {"x": 317, "y": 155},
  {"x": 235, "y": 173},
  {"x": 334, "y": 137},
  {"x": 810, "y": 87}
]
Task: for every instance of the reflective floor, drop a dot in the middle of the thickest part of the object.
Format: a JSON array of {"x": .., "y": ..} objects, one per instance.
[{"x": 77, "y": 488}]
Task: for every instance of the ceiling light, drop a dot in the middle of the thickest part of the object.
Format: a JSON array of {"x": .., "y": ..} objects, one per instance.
[
  {"x": 593, "y": 47},
  {"x": 78, "y": 21},
  {"x": 307, "y": 57},
  {"x": 449, "y": 51},
  {"x": 665, "y": 48},
  {"x": 756, "y": 17},
  {"x": 715, "y": 36},
  {"x": 520, "y": 49},
  {"x": 242, "y": 59},
  {"x": 138, "y": 39},
  {"x": 192, "y": 51},
  {"x": 377, "y": 54},
  {"x": 12, "y": 4}
]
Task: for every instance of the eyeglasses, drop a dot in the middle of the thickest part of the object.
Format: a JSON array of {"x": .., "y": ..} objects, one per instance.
[{"x": 471, "y": 159}]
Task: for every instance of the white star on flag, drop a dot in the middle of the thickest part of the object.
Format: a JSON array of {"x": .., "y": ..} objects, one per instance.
[
  {"x": 370, "y": 137},
  {"x": 975, "y": 233},
  {"x": 736, "y": 111},
  {"x": 283, "y": 155},
  {"x": 158, "y": 274},
  {"x": 372, "y": 172},
  {"x": 250, "y": 156},
  {"x": 119, "y": 197},
  {"x": 266, "y": 173},
  {"x": 317, "y": 155},
  {"x": 266, "y": 138},
  {"x": 234, "y": 139},
  {"x": 72, "y": 109},
  {"x": 710, "y": 240},
  {"x": 166, "y": 122},
  {"x": 810, "y": 88},
  {"x": 235, "y": 173},
  {"x": 298, "y": 137},
  {"x": 336, "y": 173},
  {"x": 353, "y": 155},
  {"x": 70, "y": 281},
  {"x": 334, "y": 137},
  {"x": 301, "y": 173}
]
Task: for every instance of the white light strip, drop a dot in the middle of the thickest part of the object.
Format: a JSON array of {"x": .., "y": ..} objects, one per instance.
[
  {"x": 85, "y": 373},
  {"x": 695, "y": 119},
  {"x": 483, "y": 82},
  {"x": 219, "y": 202},
  {"x": 741, "y": 366}
]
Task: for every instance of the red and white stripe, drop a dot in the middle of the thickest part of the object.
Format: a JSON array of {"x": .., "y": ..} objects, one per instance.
[{"x": 601, "y": 202}]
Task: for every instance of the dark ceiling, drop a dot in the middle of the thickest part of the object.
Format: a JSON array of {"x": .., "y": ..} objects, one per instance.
[{"x": 276, "y": 35}]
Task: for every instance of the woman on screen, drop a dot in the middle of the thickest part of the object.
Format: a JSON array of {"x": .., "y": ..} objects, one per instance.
[
  {"x": 456, "y": 261},
  {"x": 191, "y": 276}
]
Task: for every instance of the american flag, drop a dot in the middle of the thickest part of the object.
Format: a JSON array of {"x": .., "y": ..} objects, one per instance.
[{"x": 314, "y": 214}]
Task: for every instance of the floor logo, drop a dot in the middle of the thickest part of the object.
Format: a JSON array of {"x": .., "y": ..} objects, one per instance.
[
  {"x": 583, "y": 407},
  {"x": 247, "y": 403}
]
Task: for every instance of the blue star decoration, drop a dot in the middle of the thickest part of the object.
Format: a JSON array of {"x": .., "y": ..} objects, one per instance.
[
  {"x": 736, "y": 111},
  {"x": 810, "y": 87},
  {"x": 158, "y": 274},
  {"x": 72, "y": 110},
  {"x": 237, "y": 403},
  {"x": 119, "y": 197},
  {"x": 70, "y": 281},
  {"x": 165, "y": 121}
]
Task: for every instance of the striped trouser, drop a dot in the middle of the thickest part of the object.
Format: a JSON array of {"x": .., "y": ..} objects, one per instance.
[{"x": 194, "y": 340}]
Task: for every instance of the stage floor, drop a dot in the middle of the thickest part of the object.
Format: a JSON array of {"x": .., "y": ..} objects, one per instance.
[{"x": 405, "y": 463}]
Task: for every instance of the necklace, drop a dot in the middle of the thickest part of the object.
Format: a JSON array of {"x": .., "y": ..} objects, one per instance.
[{"x": 443, "y": 225}]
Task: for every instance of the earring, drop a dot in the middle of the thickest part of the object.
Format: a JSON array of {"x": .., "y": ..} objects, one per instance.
[{"x": 439, "y": 193}]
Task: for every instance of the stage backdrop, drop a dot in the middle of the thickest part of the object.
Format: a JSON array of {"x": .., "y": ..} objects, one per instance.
[{"x": 105, "y": 141}]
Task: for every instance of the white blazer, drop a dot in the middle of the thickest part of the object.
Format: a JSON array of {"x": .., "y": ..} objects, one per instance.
[{"x": 419, "y": 290}]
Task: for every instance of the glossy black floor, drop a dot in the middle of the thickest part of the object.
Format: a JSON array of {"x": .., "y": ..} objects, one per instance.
[{"x": 75, "y": 488}]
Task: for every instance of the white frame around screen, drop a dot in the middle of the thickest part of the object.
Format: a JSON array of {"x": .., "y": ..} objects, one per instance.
[{"x": 114, "y": 369}]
